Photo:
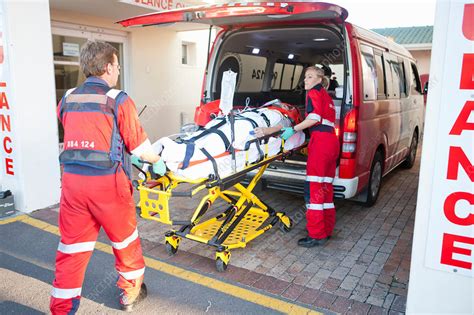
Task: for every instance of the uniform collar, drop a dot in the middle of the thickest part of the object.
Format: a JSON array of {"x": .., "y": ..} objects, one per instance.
[
  {"x": 318, "y": 87},
  {"x": 96, "y": 80}
]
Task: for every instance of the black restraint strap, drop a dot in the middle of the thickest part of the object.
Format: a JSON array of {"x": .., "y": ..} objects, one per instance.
[{"x": 213, "y": 161}]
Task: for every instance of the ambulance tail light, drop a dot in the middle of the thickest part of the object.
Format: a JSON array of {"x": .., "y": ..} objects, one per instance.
[{"x": 349, "y": 137}]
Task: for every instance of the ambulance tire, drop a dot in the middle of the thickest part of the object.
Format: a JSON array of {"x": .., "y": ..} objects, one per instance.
[
  {"x": 375, "y": 180},
  {"x": 410, "y": 160}
]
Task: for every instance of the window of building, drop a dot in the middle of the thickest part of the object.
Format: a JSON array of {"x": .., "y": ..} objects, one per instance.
[
  {"x": 188, "y": 53},
  {"x": 369, "y": 72}
]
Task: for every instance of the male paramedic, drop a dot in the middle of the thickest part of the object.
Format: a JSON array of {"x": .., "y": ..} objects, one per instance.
[
  {"x": 101, "y": 127},
  {"x": 323, "y": 151}
]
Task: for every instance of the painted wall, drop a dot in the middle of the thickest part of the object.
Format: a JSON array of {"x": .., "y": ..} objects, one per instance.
[
  {"x": 28, "y": 103},
  {"x": 423, "y": 58}
]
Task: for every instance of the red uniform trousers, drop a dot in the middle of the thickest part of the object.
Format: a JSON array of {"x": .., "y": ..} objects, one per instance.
[
  {"x": 323, "y": 151},
  {"x": 87, "y": 204}
]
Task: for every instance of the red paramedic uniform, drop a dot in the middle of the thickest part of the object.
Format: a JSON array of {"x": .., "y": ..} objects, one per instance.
[
  {"x": 100, "y": 127},
  {"x": 323, "y": 151}
]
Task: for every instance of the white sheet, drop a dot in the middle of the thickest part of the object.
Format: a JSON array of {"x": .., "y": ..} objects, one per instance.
[{"x": 174, "y": 153}]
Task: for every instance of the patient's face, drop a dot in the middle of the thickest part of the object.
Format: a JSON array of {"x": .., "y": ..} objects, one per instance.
[{"x": 311, "y": 78}]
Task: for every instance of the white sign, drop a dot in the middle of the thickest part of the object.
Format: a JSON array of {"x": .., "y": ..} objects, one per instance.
[
  {"x": 158, "y": 5},
  {"x": 450, "y": 237},
  {"x": 71, "y": 49}
]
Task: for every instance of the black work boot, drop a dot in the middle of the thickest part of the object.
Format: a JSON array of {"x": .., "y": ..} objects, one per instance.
[
  {"x": 311, "y": 242},
  {"x": 126, "y": 305}
]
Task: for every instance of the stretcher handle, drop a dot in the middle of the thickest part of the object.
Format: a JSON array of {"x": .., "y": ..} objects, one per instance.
[
  {"x": 150, "y": 169},
  {"x": 275, "y": 134}
]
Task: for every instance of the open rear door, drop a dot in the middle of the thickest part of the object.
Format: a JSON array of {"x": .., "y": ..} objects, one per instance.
[{"x": 226, "y": 15}]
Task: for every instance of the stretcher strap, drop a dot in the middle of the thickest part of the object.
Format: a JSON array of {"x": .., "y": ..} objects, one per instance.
[
  {"x": 213, "y": 161},
  {"x": 190, "y": 147},
  {"x": 265, "y": 118}
]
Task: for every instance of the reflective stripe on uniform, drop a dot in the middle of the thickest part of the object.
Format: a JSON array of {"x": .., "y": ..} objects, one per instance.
[
  {"x": 314, "y": 116},
  {"x": 132, "y": 275},
  {"x": 76, "y": 248},
  {"x": 314, "y": 206},
  {"x": 328, "y": 205},
  {"x": 87, "y": 98},
  {"x": 69, "y": 92},
  {"x": 327, "y": 123},
  {"x": 112, "y": 93},
  {"x": 126, "y": 242},
  {"x": 66, "y": 293},
  {"x": 318, "y": 179}
]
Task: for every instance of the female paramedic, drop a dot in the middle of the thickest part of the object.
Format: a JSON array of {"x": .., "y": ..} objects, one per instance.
[{"x": 323, "y": 151}]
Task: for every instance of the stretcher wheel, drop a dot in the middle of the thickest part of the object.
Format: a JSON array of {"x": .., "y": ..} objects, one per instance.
[
  {"x": 221, "y": 266},
  {"x": 170, "y": 249},
  {"x": 285, "y": 224}
]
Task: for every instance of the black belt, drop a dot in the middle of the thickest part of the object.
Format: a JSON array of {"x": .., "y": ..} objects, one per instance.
[{"x": 322, "y": 128}]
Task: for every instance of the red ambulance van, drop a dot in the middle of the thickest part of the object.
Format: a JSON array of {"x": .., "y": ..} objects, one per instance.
[{"x": 374, "y": 83}]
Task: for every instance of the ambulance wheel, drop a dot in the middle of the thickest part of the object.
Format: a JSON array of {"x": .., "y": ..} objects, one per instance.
[
  {"x": 221, "y": 266},
  {"x": 375, "y": 180},
  {"x": 170, "y": 249},
  {"x": 285, "y": 227},
  {"x": 410, "y": 160}
]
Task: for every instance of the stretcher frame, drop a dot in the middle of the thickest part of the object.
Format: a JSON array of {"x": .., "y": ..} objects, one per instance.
[{"x": 246, "y": 217}]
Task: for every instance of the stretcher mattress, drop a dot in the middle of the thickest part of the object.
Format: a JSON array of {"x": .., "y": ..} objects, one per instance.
[{"x": 186, "y": 158}]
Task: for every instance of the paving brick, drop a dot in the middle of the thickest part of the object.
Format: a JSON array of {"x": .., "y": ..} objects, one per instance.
[
  {"x": 308, "y": 296},
  {"x": 271, "y": 285},
  {"x": 375, "y": 268},
  {"x": 399, "y": 303},
  {"x": 368, "y": 279},
  {"x": 341, "y": 305},
  {"x": 358, "y": 270},
  {"x": 343, "y": 292},
  {"x": 350, "y": 282},
  {"x": 374, "y": 300},
  {"x": 358, "y": 308},
  {"x": 316, "y": 282},
  {"x": 388, "y": 301},
  {"x": 331, "y": 285},
  {"x": 303, "y": 278},
  {"x": 340, "y": 273},
  {"x": 250, "y": 278},
  {"x": 349, "y": 261},
  {"x": 324, "y": 300},
  {"x": 293, "y": 291}
]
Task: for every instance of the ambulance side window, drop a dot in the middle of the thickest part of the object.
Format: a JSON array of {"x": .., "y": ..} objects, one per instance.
[
  {"x": 369, "y": 72},
  {"x": 415, "y": 83},
  {"x": 381, "y": 82},
  {"x": 286, "y": 76}
]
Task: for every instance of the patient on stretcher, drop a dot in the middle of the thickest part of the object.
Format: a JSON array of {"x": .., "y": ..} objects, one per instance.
[{"x": 207, "y": 151}]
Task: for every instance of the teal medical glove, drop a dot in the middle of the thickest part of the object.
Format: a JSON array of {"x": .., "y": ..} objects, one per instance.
[
  {"x": 159, "y": 167},
  {"x": 287, "y": 133},
  {"x": 136, "y": 161}
]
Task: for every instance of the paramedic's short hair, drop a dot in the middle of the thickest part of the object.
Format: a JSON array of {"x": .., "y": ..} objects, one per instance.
[
  {"x": 95, "y": 55},
  {"x": 319, "y": 73}
]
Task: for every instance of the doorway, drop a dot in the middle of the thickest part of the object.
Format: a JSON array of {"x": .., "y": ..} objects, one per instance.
[{"x": 67, "y": 42}]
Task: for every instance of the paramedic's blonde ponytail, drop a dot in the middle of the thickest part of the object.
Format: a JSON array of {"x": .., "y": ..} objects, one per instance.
[{"x": 320, "y": 73}]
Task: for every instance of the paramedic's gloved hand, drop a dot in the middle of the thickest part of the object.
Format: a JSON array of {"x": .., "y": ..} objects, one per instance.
[
  {"x": 159, "y": 167},
  {"x": 287, "y": 133},
  {"x": 136, "y": 161}
]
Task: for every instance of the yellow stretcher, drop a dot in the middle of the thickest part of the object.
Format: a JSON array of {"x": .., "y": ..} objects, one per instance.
[{"x": 245, "y": 218}]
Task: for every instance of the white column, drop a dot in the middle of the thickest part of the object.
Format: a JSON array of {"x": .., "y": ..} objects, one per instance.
[
  {"x": 442, "y": 266},
  {"x": 29, "y": 164}
]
